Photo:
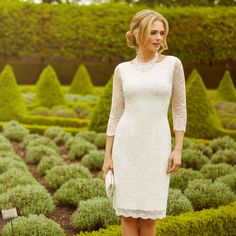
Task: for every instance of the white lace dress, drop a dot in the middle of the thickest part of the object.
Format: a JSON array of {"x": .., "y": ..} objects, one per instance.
[{"x": 142, "y": 139}]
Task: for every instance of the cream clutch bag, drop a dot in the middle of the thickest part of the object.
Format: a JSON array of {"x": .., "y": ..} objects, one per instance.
[{"x": 109, "y": 183}]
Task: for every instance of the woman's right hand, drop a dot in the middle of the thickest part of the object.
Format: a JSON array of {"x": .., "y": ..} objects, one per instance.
[{"x": 107, "y": 164}]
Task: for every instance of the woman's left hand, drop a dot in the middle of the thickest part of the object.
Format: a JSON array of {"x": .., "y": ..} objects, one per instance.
[{"x": 174, "y": 161}]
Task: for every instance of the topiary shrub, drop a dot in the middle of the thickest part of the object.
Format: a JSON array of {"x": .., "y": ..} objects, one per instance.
[
  {"x": 48, "y": 89},
  {"x": 80, "y": 148},
  {"x": 75, "y": 190},
  {"x": 28, "y": 199},
  {"x": 70, "y": 141},
  {"x": 58, "y": 175},
  {"x": 81, "y": 83},
  {"x": 221, "y": 143},
  {"x": 94, "y": 214},
  {"x": 63, "y": 111},
  {"x": 7, "y": 147},
  {"x": 180, "y": 178},
  {"x": 83, "y": 110},
  {"x": 62, "y": 138},
  {"x": 8, "y": 163},
  {"x": 93, "y": 160},
  {"x": 53, "y": 132},
  {"x": 28, "y": 138},
  {"x": 58, "y": 135},
  {"x": 204, "y": 194},
  {"x": 100, "y": 115},
  {"x": 200, "y": 109},
  {"x": 226, "y": 90},
  {"x": 213, "y": 171},
  {"x": 15, "y": 177},
  {"x": 34, "y": 154},
  {"x": 12, "y": 104},
  {"x": 87, "y": 135},
  {"x": 194, "y": 73},
  {"x": 229, "y": 180},
  {"x": 194, "y": 159},
  {"x": 48, "y": 162},
  {"x": 43, "y": 141},
  {"x": 217, "y": 222},
  {"x": 14, "y": 131},
  {"x": 10, "y": 155},
  {"x": 205, "y": 149},
  {"x": 100, "y": 140},
  {"x": 3, "y": 139},
  {"x": 41, "y": 111},
  {"x": 33, "y": 225},
  {"x": 224, "y": 156},
  {"x": 177, "y": 203}
]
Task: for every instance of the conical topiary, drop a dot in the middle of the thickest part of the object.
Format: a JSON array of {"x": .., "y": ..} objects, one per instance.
[
  {"x": 101, "y": 112},
  {"x": 48, "y": 89},
  {"x": 202, "y": 120},
  {"x": 226, "y": 90},
  {"x": 12, "y": 104},
  {"x": 194, "y": 73},
  {"x": 81, "y": 83}
]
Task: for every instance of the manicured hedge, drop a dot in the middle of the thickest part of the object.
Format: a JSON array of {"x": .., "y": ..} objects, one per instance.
[
  {"x": 81, "y": 83},
  {"x": 67, "y": 30},
  {"x": 202, "y": 120},
  {"x": 12, "y": 104},
  {"x": 40, "y": 129},
  {"x": 33, "y": 225},
  {"x": 217, "y": 222},
  {"x": 54, "y": 121},
  {"x": 48, "y": 89},
  {"x": 226, "y": 90}
]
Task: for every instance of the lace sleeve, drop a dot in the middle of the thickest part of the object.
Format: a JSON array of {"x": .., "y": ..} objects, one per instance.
[
  {"x": 179, "y": 112},
  {"x": 117, "y": 104}
]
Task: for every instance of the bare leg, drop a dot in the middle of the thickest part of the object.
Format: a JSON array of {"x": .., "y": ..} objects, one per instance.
[
  {"x": 129, "y": 226},
  {"x": 147, "y": 227}
]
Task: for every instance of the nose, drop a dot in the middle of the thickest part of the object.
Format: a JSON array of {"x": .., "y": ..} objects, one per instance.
[{"x": 159, "y": 36}]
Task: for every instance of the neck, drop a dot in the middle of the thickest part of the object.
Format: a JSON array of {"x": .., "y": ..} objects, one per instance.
[{"x": 144, "y": 56}]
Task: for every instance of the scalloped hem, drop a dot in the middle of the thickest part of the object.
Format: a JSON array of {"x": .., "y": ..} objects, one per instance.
[{"x": 141, "y": 214}]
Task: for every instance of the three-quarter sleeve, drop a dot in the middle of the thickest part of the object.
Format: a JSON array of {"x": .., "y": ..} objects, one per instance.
[
  {"x": 117, "y": 103},
  {"x": 179, "y": 112}
]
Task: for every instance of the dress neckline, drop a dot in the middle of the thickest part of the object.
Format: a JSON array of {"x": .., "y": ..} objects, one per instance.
[{"x": 144, "y": 66}]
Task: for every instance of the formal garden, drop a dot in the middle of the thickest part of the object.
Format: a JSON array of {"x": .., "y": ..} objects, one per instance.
[{"x": 53, "y": 135}]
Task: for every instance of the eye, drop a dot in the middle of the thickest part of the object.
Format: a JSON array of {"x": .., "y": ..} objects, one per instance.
[{"x": 153, "y": 32}]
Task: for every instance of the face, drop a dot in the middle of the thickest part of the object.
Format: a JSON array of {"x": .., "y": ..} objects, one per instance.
[{"x": 155, "y": 37}]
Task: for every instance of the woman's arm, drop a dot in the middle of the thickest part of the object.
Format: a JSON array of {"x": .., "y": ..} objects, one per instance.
[
  {"x": 179, "y": 138},
  {"x": 179, "y": 114},
  {"x": 117, "y": 109},
  {"x": 109, "y": 144}
]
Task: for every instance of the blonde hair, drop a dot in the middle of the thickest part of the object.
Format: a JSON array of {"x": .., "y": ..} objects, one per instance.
[{"x": 140, "y": 27}]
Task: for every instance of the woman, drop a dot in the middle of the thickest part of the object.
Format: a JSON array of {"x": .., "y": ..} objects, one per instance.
[{"x": 138, "y": 145}]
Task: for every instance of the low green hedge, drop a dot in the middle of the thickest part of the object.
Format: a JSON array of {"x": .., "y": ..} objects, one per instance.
[
  {"x": 33, "y": 225},
  {"x": 93, "y": 214},
  {"x": 58, "y": 175},
  {"x": 28, "y": 199},
  {"x": 54, "y": 121},
  {"x": 8, "y": 163},
  {"x": 217, "y": 222},
  {"x": 15, "y": 177},
  {"x": 40, "y": 129},
  {"x": 76, "y": 190},
  {"x": 14, "y": 131}
]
